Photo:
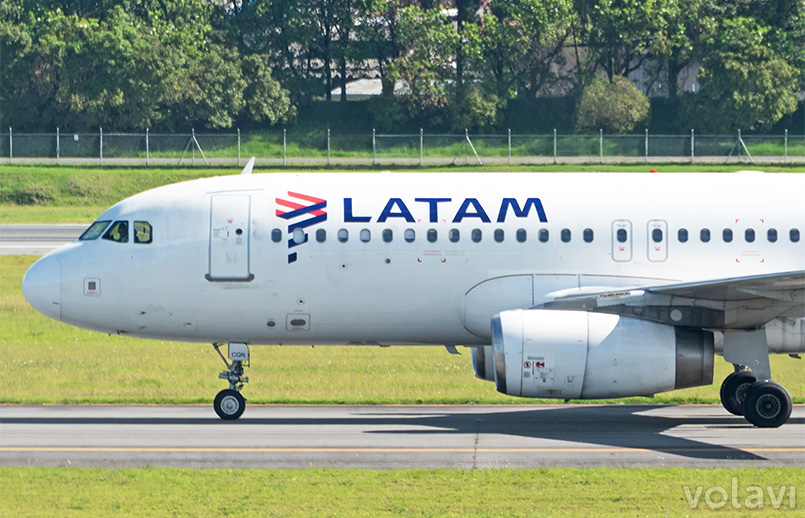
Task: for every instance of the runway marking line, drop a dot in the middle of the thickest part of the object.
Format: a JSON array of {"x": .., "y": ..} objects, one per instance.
[{"x": 381, "y": 450}]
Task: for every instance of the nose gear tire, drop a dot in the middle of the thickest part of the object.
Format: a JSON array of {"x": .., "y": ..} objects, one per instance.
[{"x": 229, "y": 404}]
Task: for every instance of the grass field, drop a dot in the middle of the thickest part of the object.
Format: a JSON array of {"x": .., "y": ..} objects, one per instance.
[
  {"x": 88, "y": 493},
  {"x": 64, "y": 364}
]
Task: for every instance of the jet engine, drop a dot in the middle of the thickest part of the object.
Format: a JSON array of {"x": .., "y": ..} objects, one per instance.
[{"x": 580, "y": 355}]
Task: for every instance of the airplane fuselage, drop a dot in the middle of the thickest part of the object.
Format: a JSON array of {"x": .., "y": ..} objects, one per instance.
[{"x": 412, "y": 258}]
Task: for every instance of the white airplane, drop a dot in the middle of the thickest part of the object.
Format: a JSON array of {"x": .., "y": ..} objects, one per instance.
[{"x": 565, "y": 285}]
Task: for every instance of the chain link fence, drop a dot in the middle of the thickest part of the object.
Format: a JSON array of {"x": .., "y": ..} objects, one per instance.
[{"x": 326, "y": 148}]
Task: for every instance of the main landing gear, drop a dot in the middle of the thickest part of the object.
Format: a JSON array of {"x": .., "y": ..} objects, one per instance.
[
  {"x": 229, "y": 404},
  {"x": 752, "y": 394}
]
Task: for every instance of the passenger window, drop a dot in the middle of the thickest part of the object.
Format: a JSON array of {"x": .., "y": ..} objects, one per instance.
[
  {"x": 366, "y": 235},
  {"x": 749, "y": 235},
  {"x": 588, "y": 235},
  {"x": 499, "y": 235},
  {"x": 476, "y": 235},
  {"x": 95, "y": 230},
  {"x": 454, "y": 235},
  {"x": 276, "y": 235},
  {"x": 432, "y": 235},
  {"x": 410, "y": 235},
  {"x": 727, "y": 235},
  {"x": 321, "y": 235},
  {"x": 521, "y": 235},
  {"x": 656, "y": 235},
  {"x": 343, "y": 235},
  {"x": 771, "y": 235},
  {"x": 118, "y": 232},
  {"x": 142, "y": 232},
  {"x": 388, "y": 235},
  {"x": 544, "y": 235},
  {"x": 704, "y": 235},
  {"x": 621, "y": 235},
  {"x": 794, "y": 235},
  {"x": 565, "y": 235},
  {"x": 299, "y": 236},
  {"x": 682, "y": 235}
]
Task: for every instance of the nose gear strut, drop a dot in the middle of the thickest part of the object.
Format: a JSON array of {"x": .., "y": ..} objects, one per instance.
[{"x": 229, "y": 404}]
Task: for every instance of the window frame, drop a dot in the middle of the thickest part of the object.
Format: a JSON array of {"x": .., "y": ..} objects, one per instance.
[
  {"x": 135, "y": 233},
  {"x": 108, "y": 234},
  {"x": 98, "y": 233}
]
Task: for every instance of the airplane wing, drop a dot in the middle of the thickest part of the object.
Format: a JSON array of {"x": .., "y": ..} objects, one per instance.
[{"x": 733, "y": 303}]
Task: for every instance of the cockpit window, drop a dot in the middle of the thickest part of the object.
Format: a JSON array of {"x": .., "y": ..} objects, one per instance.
[
  {"x": 119, "y": 232},
  {"x": 142, "y": 232},
  {"x": 95, "y": 230}
]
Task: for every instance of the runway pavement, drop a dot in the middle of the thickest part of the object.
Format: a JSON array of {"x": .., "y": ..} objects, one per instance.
[
  {"x": 380, "y": 437},
  {"x": 36, "y": 239}
]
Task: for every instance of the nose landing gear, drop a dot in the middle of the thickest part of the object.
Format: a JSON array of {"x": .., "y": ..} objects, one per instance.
[{"x": 229, "y": 404}]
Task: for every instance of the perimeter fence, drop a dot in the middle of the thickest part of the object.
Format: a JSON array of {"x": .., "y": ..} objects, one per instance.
[{"x": 326, "y": 148}]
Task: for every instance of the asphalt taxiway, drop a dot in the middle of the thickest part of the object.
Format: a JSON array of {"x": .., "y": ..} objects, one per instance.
[
  {"x": 36, "y": 239},
  {"x": 380, "y": 437}
]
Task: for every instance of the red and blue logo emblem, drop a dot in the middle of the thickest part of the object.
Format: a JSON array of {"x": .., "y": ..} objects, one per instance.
[{"x": 305, "y": 212}]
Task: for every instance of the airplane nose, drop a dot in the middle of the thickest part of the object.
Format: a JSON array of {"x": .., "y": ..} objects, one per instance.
[{"x": 41, "y": 286}]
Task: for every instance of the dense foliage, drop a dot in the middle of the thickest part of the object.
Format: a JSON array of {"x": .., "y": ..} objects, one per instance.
[
  {"x": 613, "y": 106},
  {"x": 172, "y": 64}
]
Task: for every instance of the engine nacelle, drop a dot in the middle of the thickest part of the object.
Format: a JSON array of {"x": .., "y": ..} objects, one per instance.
[
  {"x": 580, "y": 355},
  {"x": 483, "y": 362}
]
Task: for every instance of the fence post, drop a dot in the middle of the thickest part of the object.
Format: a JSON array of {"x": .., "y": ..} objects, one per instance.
[
  {"x": 101, "y": 151},
  {"x": 466, "y": 147},
  {"x": 58, "y": 162},
  {"x": 147, "y": 149},
  {"x": 510, "y": 146},
  {"x": 785, "y": 152},
  {"x": 328, "y": 147},
  {"x": 193, "y": 133},
  {"x": 238, "y": 147},
  {"x": 692, "y": 146},
  {"x": 601, "y": 145},
  {"x": 10, "y": 147},
  {"x": 284, "y": 146},
  {"x": 374, "y": 147},
  {"x": 421, "y": 146},
  {"x": 554, "y": 145},
  {"x": 647, "y": 145}
]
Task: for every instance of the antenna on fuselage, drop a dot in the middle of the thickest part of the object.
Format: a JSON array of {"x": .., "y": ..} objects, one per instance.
[{"x": 249, "y": 167}]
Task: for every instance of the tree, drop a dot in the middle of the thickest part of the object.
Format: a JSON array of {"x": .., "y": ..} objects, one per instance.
[
  {"x": 425, "y": 68},
  {"x": 265, "y": 99},
  {"x": 380, "y": 31},
  {"x": 620, "y": 36},
  {"x": 614, "y": 106},
  {"x": 521, "y": 41},
  {"x": 131, "y": 68},
  {"x": 283, "y": 31},
  {"x": 744, "y": 84}
]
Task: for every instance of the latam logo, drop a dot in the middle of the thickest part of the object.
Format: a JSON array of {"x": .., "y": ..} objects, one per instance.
[
  {"x": 470, "y": 208},
  {"x": 304, "y": 213}
]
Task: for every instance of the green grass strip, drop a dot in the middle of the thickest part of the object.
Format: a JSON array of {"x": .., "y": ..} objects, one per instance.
[{"x": 638, "y": 492}]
